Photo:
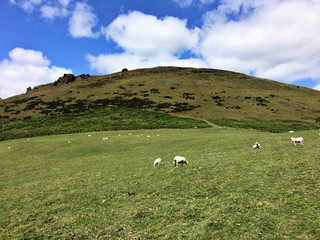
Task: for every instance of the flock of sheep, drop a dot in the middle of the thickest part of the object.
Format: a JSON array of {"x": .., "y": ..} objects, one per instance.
[{"x": 182, "y": 160}]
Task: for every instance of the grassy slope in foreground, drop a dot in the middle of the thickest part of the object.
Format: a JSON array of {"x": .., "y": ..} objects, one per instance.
[{"x": 91, "y": 188}]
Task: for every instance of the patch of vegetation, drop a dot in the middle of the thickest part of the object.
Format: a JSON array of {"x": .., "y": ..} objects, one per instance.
[
  {"x": 154, "y": 90},
  {"x": 275, "y": 126},
  {"x": 218, "y": 100},
  {"x": 114, "y": 118},
  {"x": 187, "y": 95},
  {"x": 182, "y": 107}
]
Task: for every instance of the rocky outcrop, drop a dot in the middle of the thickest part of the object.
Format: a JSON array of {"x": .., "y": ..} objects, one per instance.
[
  {"x": 66, "y": 78},
  {"x": 83, "y": 77}
]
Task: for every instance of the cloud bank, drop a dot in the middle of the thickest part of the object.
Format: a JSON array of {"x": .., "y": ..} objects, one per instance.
[{"x": 26, "y": 68}]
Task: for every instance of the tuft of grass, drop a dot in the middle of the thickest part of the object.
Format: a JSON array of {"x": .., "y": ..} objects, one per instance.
[{"x": 275, "y": 126}]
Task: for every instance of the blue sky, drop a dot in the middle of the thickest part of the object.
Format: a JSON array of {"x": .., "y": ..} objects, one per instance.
[{"x": 41, "y": 40}]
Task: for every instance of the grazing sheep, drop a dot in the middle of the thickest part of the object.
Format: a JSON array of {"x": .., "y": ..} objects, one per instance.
[
  {"x": 256, "y": 146},
  {"x": 291, "y": 132},
  {"x": 180, "y": 160},
  {"x": 157, "y": 162},
  {"x": 298, "y": 139}
]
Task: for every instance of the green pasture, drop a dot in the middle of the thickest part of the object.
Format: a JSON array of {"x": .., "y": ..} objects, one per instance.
[{"x": 81, "y": 187}]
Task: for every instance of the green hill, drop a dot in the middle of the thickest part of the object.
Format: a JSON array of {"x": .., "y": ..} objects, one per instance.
[{"x": 206, "y": 94}]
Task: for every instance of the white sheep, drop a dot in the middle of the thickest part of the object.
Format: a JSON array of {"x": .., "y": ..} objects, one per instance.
[
  {"x": 256, "y": 146},
  {"x": 180, "y": 160},
  {"x": 157, "y": 162},
  {"x": 298, "y": 139}
]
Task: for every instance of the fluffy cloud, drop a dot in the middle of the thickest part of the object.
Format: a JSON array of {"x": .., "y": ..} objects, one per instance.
[
  {"x": 53, "y": 11},
  {"x": 147, "y": 36},
  {"x": 48, "y": 8},
  {"x": 26, "y": 68},
  {"x": 82, "y": 21},
  {"x": 276, "y": 39},
  {"x": 147, "y": 41}
]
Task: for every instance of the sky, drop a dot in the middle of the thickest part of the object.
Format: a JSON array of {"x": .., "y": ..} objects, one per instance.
[{"x": 40, "y": 40}]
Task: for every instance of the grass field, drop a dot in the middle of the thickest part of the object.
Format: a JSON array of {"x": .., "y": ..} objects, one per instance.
[{"x": 108, "y": 189}]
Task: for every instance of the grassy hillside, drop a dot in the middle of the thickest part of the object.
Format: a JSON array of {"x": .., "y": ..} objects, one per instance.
[
  {"x": 206, "y": 94},
  {"x": 91, "y": 188},
  {"x": 114, "y": 118}
]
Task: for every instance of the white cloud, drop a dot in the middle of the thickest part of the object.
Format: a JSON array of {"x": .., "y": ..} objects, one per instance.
[
  {"x": 149, "y": 37},
  {"x": 48, "y": 8},
  {"x": 82, "y": 21},
  {"x": 276, "y": 39},
  {"x": 53, "y": 11},
  {"x": 147, "y": 41},
  {"x": 26, "y": 68}
]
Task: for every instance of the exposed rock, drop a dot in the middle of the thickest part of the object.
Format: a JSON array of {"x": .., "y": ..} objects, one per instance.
[
  {"x": 28, "y": 89},
  {"x": 66, "y": 78},
  {"x": 83, "y": 77}
]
